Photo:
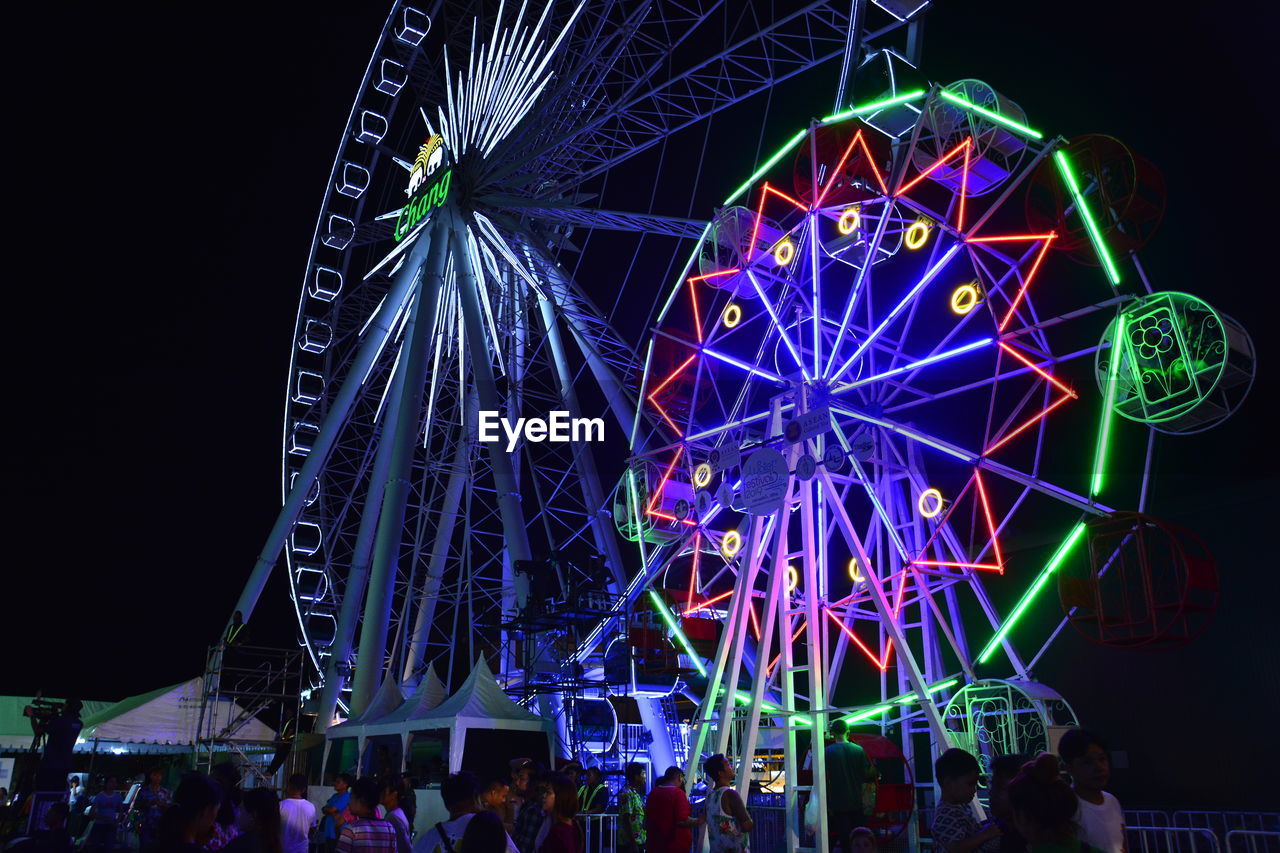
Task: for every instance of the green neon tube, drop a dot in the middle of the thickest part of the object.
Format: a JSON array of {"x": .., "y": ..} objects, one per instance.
[
  {"x": 901, "y": 700},
  {"x": 675, "y": 629},
  {"x": 873, "y": 107},
  {"x": 1090, "y": 225},
  {"x": 1108, "y": 402},
  {"x": 768, "y": 164},
  {"x": 996, "y": 117},
  {"x": 1065, "y": 548}
]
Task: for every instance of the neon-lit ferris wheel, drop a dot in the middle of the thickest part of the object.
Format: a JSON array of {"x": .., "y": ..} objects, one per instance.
[
  {"x": 887, "y": 399},
  {"x": 876, "y": 421}
]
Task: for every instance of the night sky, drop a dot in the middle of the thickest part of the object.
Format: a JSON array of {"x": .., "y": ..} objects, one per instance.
[{"x": 168, "y": 164}]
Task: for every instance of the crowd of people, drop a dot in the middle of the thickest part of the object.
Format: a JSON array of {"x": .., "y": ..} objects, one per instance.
[
  {"x": 531, "y": 809},
  {"x": 1032, "y": 807}
]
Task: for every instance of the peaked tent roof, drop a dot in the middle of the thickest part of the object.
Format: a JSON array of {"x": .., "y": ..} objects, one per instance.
[
  {"x": 169, "y": 715},
  {"x": 389, "y": 697},
  {"x": 430, "y": 693},
  {"x": 480, "y": 697}
]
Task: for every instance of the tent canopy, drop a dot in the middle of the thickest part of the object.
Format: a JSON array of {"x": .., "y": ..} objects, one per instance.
[{"x": 170, "y": 716}]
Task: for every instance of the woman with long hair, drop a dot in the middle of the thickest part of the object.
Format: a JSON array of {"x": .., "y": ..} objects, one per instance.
[
  {"x": 564, "y": 835},
  {"x": 1044, "y": 808}
]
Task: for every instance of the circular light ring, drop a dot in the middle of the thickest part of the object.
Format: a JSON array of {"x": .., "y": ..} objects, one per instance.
[
  {"x": 854, "y": 574},
  {"x": 702, "y": 475},
  {"x": 850, "y": 220},
  {"x": 930, "y": 502},
  {"x": 731, "y": 544},
  {"x": 793, "y": 578},
  {"x": 918, "y": 233},
  {"x": 732, "y": 315},
  {"x": 965, "y": 298},
  {"x": 784, "y": 252}
]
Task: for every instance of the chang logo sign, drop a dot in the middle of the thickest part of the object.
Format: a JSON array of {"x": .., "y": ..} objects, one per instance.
[{"x": 428, "y": 186}]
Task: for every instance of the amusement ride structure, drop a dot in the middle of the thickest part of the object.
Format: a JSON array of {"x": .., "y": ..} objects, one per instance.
[{"x": 878, "y": 417}]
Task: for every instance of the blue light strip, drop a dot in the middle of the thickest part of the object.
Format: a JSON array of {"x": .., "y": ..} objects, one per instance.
[
  {"x": 933, "y": 359},
  {"x": 743, "y": 365}
]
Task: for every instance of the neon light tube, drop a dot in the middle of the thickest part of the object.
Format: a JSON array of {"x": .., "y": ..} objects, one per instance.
[
  {"x": 906, "y": 300},
  {"x": 1108, "y": 402},
  {"x": 1090, "y": 225},
  {"x": 743, "y": 365},
  {"x": 710, "y": 601},
  {"x": 873, "y": 106},
  {"x": 782, "y": 330},
  {"x": 942, "y": 356},
  {"x": 911, "y": 697},
  {"x": 877, "y": 710},
  {"x": 675, "y": 629},
  {"x": 1056, "y": 560},
  {"x": 768, "y": 164},
  {"x": 996, "y": 117}
]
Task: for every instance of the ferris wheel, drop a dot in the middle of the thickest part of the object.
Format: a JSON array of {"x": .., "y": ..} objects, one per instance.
[
  {"x": 894, "y": 416},
  {"x": 472, "y": 187}
]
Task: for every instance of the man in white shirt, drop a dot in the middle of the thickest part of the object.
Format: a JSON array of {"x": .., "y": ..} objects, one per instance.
[
  {"x": 459, "y": 793},
  {"x": 297, "y": 816},
  {"x": 1098, "y": 814}
]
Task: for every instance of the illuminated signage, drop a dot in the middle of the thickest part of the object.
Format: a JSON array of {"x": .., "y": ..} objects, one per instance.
[{"x": 428, "y": 186}]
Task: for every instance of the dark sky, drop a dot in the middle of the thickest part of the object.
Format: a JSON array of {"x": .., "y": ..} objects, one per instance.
[{"x": 168, "y": 162}]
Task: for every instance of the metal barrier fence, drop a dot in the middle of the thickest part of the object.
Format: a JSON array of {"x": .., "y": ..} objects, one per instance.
[
  {"x": 1146, "y": 817},
  {"x": 1171, "y": 839},
  {"x": 1253, "y": 841},
  {"x": 1223, "y": 822}
]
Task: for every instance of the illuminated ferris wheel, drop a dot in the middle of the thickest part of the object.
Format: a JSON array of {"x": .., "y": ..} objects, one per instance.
[
  {"x": 896, "y": 418},
  {"x": 465, "y": 261}
]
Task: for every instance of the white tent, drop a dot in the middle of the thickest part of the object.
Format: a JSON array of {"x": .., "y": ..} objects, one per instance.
[
  {"x": 169, "y": 717},
  {"x": 479, "y": 704}
]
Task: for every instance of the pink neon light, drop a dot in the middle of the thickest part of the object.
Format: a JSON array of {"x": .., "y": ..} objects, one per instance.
[
  {"x": 658, "y": 492},
  {"x": 755, "y": 623},
  {"x": 697, "y": 313},
  {"x": 1006, "y": 238},
  {"x": 693, "y": 573},
  {"x": 1026, "y": 282},
  {"x": 857, "y": 139},
  {"x": 710, "y": 601},
  {"x": 781, "y": 194},
  {"x": 1013, "y": 352},
  {"x": 937, "y": 165},
  {"x": 664, "y": 384},
  {"x": 1002, "y": 442},
  {"x": 964, "y": 186},
  {"x": 881, "y": 665},
  {"x": 991, "y": 525},
  {"x": 948, "y": 564},
  {"x": 708, "y": 275}
]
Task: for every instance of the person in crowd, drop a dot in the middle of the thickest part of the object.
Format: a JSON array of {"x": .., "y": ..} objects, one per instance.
[
  {"x": 227, "y": 826},
  {"x": 1099, "y": 816},
  {"x": 563, "y": 834},
  {"x": 484, "y": 834},
  {"x": 262, "y": 826},
  {"x": 522, "y": 770},
  {"x": 1044, "y": 808},
  {"x": 1003, "y": 769},
  {"x": 391, "y": 811},
  {"x": 190, "y": 818},
  {"x": 593, "y": 795},
  {"x": 728, "y": 824},
  {"x": 297, "y": 816},
  {"x": 533, "y": 819},
  {"x": 495, "y": 793},
  {"x": 631, "y": 835},
  {"x": 107, "y": 809},
  {"x": 847, "y": 770},
  {"x": 955, "y": 829},
  {"x": 408, "y": 799},
  {"x": 862, "y": 840},
  {"x": 151, "y": 802},
  {"x": 459, "y": 795},
  {"x": 366, "y": 833},
  {"x": 668, "y": 817},
  {"x": 52, "y": 837},
  {"x": 333, "y": 809}
]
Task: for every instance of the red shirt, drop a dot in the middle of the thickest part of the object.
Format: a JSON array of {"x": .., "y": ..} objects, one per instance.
[{"x": 666, "y": 806}]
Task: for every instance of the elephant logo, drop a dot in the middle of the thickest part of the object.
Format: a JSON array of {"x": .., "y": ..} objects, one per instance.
[{"x": 429, "y": 158}]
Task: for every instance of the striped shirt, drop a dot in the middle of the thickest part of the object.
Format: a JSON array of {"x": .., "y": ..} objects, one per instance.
[{"x": 367, "y": 835}]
